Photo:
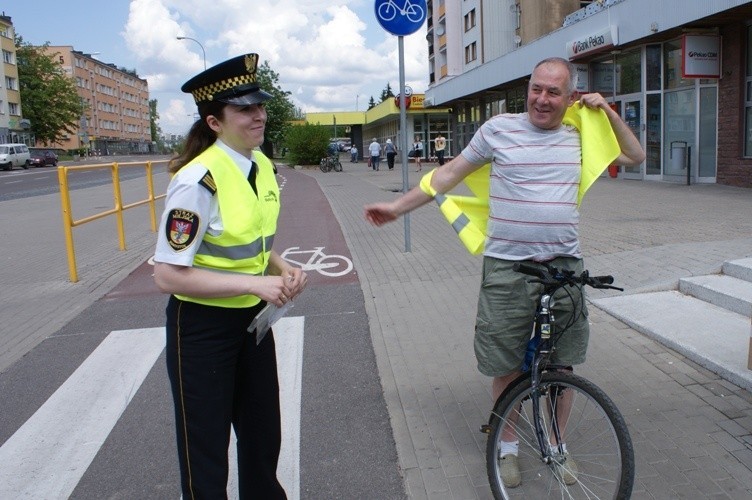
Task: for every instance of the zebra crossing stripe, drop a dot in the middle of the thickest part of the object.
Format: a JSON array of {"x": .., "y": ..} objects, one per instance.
[{"x": 49, "y": 454}]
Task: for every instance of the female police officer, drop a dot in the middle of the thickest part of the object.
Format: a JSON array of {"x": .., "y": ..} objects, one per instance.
[{"x": 214, "y": 255}]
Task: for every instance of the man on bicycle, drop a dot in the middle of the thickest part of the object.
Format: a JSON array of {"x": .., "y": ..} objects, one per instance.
[{"x": 535, "y": 174}]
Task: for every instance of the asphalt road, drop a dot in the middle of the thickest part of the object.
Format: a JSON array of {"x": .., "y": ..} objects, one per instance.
[{"x": 39, "y": 181}]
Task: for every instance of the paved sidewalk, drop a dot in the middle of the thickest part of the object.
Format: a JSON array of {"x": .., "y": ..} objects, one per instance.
[{"x": 692, "y": 430}]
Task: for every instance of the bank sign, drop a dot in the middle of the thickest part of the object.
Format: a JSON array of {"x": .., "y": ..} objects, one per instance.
[
  {"x": 701, "y": 56},
  {"x": 592, "y": 42}
]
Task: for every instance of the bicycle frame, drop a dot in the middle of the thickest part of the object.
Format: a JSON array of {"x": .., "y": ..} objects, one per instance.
[{"x": 544, "y": 322}]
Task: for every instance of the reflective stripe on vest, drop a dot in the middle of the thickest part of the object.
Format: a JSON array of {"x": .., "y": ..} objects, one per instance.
[
  {"x": 470, "y": 234},
  {"x": 249, "y": 223}
]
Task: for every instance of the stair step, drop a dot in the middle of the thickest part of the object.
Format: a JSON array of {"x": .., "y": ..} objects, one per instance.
[
  {"x": 741, "y": 268},
  {"x": 724, "y": 291},
  {"x": 712, "y": 336}
]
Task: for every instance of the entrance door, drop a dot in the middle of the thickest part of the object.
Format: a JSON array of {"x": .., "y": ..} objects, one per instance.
[{"x": 631, "y": 111}]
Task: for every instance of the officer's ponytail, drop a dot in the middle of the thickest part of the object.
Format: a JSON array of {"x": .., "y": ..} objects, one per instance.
[{"x": 200, "y": 136}]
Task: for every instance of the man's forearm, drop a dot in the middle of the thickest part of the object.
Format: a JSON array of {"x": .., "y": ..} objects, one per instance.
[{"x": 631, "y": 150}]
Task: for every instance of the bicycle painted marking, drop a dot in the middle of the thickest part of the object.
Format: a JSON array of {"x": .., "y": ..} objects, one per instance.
[{"x": 328, "y": 265}]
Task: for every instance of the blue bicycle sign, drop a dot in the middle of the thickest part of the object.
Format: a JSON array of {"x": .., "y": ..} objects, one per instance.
[{"x": 400, "y": 17}]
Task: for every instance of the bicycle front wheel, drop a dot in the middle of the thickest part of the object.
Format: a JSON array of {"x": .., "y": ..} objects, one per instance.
[
  {"x": 599, "y": 458},
  {"x": 337, "y": 166},
  {"x": 324, "y": 165}
]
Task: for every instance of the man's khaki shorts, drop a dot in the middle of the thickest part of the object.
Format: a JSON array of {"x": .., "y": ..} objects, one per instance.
[{"x": 506, "y": 306}]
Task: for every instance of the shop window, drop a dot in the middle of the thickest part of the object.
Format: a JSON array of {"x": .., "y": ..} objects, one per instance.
[
  {"x": 630, "y": 72},
  {"x": 672, "y": 57},
  {"x": 653, "y": 67}
]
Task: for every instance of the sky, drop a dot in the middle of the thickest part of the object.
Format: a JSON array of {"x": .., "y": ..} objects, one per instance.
[{"x": 331, "y": 55}]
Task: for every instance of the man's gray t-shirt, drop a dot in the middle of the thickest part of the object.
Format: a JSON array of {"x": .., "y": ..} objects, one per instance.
[{"x": 535, "y": 176}]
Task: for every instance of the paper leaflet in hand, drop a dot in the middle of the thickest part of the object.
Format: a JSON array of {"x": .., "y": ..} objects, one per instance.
[{"x": 266, "y": 318}]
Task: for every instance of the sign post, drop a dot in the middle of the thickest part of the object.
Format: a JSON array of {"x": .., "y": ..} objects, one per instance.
[{"x": 400, "y": 21}]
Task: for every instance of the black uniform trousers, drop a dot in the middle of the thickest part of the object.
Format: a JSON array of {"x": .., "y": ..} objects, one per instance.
[{"x": 220, "y": 377}]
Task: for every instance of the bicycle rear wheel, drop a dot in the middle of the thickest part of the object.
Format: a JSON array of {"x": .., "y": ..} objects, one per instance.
[
  {"x": 337, "y": 166},
  {"x": 324, "y": 165},
  {"x": 596, "y": 438}
]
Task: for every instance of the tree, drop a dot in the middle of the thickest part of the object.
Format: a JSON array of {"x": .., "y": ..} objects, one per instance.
[
  {"x": 307, "y": 143},
  {"x": 48, "y": 96},
  {"x": 387, "y": 92},
  {"x": 156, "y": 131},
  {"x": 280, "y": 109},
  {"x": 371, "y": 103}
]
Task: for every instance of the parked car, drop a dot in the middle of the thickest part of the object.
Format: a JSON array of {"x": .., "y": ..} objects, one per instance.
[
  {"x": 14, "y": 155},
  {"x": 41, "y": 157}
]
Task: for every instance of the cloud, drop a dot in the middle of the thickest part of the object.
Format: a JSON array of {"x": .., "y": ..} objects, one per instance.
[{"x": 329, "y": 54}]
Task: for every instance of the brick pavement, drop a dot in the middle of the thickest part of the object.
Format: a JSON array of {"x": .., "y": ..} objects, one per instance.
[{"x": 692, "y": 430}]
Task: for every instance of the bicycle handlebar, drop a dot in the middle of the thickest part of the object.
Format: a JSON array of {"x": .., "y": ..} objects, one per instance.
[{"x": 551, "y": 276}]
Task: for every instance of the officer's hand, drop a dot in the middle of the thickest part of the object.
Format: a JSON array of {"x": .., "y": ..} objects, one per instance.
[
  {"x": 296, "y": 280},
  {"x": 274, "y": 290}
]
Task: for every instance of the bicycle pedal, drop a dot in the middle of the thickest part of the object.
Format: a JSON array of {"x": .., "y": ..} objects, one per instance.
[{"x": 485, "y": 429}]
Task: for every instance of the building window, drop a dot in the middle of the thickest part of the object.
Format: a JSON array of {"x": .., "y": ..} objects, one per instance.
[
  {"x": 10, "y": 83},
  {"x": 470, "y": 20},
  {"x": 748, "y": 97},
  {"x": 13, "y": 109},
  {"x": 8, "y": 57},
  {"x": 470, "y": 53}
]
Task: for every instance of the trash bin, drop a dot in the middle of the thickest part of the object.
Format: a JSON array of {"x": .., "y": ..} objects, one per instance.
[{"x": 678, "y": 156}]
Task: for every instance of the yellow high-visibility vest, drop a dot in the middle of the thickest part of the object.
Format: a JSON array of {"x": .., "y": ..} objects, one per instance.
[
  {"x": 468, "y": 215},
  {"x": 249, "y": 222}
]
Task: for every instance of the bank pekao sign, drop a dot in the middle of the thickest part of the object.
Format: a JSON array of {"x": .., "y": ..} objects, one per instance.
[
  {"x": 701, "y": 56},
  {"x": 593, "y": 42}
]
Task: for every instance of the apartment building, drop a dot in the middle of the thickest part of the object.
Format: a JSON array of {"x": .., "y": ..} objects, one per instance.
[
  {"x": 114, "y": 105},
  {"x": 678, "y": 71},
  {"x": 13, "y": 128}
]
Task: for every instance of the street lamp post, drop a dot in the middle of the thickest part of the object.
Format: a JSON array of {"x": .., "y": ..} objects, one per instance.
[{"x": 199, "y": 44}]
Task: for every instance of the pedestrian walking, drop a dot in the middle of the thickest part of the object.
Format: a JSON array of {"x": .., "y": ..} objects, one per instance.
[
  {"x": 375, "y": 150},
  {"x": 391, "y": 152}
]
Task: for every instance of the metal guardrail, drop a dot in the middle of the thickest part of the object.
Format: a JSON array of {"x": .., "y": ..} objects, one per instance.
[{"x": 117, "y": 210}]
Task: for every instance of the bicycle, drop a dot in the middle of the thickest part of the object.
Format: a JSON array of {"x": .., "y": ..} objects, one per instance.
[
  {"x": 330, "y": 163},
  {"x": 388, "y": 11},
  {"x": 573, "y": 442}
]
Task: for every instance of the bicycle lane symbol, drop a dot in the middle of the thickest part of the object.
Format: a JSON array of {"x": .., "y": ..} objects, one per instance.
[
  {"x": 317, "y": 260},
  {"x": 403, "y": 19}
]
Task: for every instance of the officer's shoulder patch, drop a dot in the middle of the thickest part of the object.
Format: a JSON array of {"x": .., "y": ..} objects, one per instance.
[
  {"x": 181, "y": 228},
  {"x": 208, "y": 182}
]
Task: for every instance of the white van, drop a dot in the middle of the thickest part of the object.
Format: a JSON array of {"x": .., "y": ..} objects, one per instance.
[{"x": 14, "y": 155}]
